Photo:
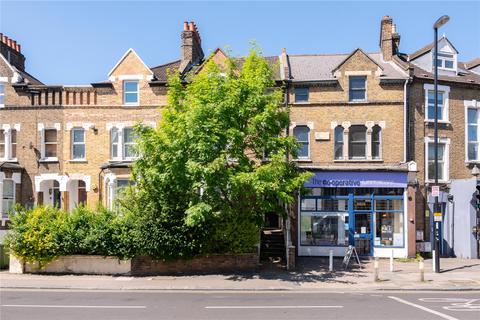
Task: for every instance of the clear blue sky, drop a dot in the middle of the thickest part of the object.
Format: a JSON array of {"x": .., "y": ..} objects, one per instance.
[{"x": 69, "y": 42}]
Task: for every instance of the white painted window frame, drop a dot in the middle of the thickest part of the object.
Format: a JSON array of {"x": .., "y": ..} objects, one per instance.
[
  {"x": 3, "y": 206},
  {"x": 360, "y": 75},
  {"x": 443, "y": 59},
  {"x": 7, "y": 130},
  {"x": 307, "y": 158},
  {"x": 124, "y": 144},
  {"x": 445, "y": 111},
  {"x": 3, "y": 82},
  {"x": 42, "y": 128},
  {"x": 446, "y": 167},
  {"x": 73, "y": 143},
  {"x": 124, "y": 85},
  {"x": 472, "y": 104}
]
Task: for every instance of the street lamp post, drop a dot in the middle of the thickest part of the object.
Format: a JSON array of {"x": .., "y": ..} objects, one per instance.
[{"x": 437, "y": 210}]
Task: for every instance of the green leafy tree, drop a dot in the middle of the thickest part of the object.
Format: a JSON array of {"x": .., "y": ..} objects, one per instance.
[{"x": 202, "y": 183}]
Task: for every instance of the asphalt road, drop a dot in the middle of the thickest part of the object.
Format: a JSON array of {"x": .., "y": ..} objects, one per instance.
[{"x": 89, "y": 305}]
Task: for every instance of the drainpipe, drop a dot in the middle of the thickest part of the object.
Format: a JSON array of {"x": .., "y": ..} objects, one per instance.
[
  {"x": 407, "y": 121},
  {"x": 100, "y": 187},
  {"x": 288, "y": 241}
]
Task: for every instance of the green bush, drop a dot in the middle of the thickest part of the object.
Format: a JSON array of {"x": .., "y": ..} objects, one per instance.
[{"x": 44, "y": 233}]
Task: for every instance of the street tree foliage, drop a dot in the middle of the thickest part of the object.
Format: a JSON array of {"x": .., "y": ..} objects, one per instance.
[{"x": 216, "y": 163}]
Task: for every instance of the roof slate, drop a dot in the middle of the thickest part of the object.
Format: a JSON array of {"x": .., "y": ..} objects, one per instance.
[{"x": 320, "y": 67}]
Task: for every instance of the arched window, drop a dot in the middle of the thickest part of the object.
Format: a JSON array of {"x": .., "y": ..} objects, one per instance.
[
  {"x": 357, "y": 142},
  {"x": 338, "y": 141},
  {"x": 376, "y": 142},
  {"x": 302, "y": 134}
]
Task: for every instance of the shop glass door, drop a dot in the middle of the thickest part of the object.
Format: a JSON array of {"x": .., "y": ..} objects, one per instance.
[{"x": 363, "y": 223}]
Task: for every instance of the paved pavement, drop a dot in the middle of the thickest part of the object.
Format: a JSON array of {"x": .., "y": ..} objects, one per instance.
[
  {"x": 78, "y": 304},
  {"x": 312, "y": 274}
]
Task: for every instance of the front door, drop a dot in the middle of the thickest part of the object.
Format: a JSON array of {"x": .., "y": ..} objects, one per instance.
[{"x": 363, "y": 233}]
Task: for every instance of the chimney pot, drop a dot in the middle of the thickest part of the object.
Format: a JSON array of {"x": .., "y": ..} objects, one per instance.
[
  {"x": 394, "y": 28},
  {"x": 192, "y": 26},
  {"x": 185, "y": 26},
  {"x": 14, "y": 45},
  {"x": 9, "y": 42},
  {"x": 4, "y": 39},
  {"x": 19, "y": 48}
]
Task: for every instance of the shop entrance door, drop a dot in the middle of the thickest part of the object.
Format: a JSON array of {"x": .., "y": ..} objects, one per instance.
[{"x": 363, "y": 233}]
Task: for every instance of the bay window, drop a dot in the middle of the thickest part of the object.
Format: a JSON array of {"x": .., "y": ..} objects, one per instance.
[
  {"x": 123, "y": 145},
  {"x": 8, "y": 196},
  {"x": 376, "y": 151},
  {"x": 8, "y": 144},
  {"x": 338, "y": 143}
]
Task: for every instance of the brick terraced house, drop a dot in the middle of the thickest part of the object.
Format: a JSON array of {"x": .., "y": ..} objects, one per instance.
[
  {"x": 363, "y": 121},
  {"x": 348, "y": 111},
  {"x": 458, "y": 109}
]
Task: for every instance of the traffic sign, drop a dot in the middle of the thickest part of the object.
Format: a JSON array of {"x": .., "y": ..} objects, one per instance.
[{"x": 435, "y": 191}]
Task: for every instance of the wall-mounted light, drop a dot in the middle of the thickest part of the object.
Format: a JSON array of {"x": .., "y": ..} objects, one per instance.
[{"x": 95, "y": 130}]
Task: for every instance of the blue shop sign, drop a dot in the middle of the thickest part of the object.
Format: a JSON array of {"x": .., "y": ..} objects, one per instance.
[{"x": 355, "y": 179}]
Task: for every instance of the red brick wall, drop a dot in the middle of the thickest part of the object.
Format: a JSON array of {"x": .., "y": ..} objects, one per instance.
[{"x": 210, "y": 264}]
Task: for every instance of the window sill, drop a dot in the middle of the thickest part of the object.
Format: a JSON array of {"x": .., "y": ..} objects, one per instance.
[
  {"x": 357, "y": 160},
  {"x": 358, "y": 102},
  {"x": 131, "y": 105},
  {"x": 8, "y": 160},
  {"x": 121, "y": 160},
  {"x": 78, "y": 161},
  {"x": 301, "y": 103},
  {"x": 439, "y": 181},
  {"x": 303, "y": 160},
  {"x": 47, "y": 160},
  {"x": 431, "y": 121}
]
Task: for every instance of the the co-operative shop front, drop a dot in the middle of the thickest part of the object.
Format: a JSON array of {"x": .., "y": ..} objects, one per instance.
[{"x": 366, "y": 209}]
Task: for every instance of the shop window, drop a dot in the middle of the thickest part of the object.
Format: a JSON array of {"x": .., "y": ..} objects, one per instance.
[
  {"x": 357, "y": 88},
  {"x": 301, "y": 94},
  {"x": 8, "y": 196},
  {"x": 302, "y": 134},
  {"x": 389, "y": 229},
  {"x": 324, "y": 229},
  {"x": 78, "y": 143},
  {"x": 376, "y": 139},
  {"x": 338, "y": 137},
  {"x": 362, "y": 204},
  {"x": 357, "y": 142}
]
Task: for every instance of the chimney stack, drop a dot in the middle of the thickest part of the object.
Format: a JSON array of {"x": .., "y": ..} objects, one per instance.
[
  {"x": 11, "y": 50},
  {"x": 191, "y": 51},
  {"x": 389, "y": 38}
]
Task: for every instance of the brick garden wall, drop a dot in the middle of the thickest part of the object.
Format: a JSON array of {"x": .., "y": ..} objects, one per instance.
[{"x": 200, "y": 265}]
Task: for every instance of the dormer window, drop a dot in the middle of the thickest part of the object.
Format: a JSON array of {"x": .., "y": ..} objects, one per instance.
[{"x": 446, "y": 61}]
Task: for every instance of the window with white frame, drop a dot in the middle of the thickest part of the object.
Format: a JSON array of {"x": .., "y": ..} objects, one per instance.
[
  {"x": 338, "y": 143},
  {"x": 2, "y": 95},
  {"x": 357, "y": 142},
  {"x": 129, "y": 143},
  {"x": 50, "y": 144},
  {"x": 130, "y": 92},
  {"x": 123, "y": 145},
  {"x": 8, "y": 144},
  {"x": 8, "y": 196},
  {"x": 376, "y": 142},
  {"x": 78, "y": 144},
  {"x": 445, "y": 61},
  {"x": 302, "y": 134},
  {"x": 357, "y": 88},
  {"x": 472, "y": 134},
  {"x": 442, "y": 103},
  {"x": 442, "y": 160}
]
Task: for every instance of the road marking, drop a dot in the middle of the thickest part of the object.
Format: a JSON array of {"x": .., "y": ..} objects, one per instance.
[
  {"x": 271, "y": 307},
  {"x": 67, "y": 306},
  {"x": 445, "y": 316}
]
